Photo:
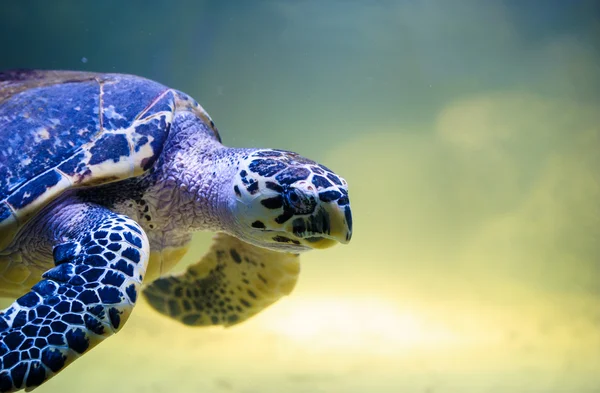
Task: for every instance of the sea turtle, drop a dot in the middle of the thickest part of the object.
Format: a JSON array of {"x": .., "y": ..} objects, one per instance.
[{"x": 103, "y": 180}]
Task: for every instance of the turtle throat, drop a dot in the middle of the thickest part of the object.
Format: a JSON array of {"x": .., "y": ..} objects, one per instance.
[{"x": 193, "y": 192}]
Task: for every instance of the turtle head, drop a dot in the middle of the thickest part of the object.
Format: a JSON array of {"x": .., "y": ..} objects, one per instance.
[{"x": 286, "y": 202}]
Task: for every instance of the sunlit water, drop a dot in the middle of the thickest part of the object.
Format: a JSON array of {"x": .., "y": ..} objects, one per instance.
[{"x": 469, "y": 135}]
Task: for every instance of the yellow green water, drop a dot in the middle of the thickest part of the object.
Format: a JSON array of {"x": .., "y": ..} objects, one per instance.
[{"x": 469, "y": 134}]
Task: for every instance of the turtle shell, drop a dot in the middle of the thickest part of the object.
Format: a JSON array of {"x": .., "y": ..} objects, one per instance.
[{"x": 63, "y": 129}]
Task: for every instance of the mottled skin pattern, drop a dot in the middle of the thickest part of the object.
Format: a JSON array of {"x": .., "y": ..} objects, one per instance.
[
  {"x": 233, "y": 281},
  {"x": 100, "y": 260},
  {"x": 103, "y": 179}
]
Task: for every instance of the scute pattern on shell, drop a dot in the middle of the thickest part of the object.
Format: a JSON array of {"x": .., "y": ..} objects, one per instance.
[{"x": 84, "y": 129}]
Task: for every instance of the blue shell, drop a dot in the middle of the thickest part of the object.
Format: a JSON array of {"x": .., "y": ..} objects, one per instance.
[{"x": 62, "y": 129}]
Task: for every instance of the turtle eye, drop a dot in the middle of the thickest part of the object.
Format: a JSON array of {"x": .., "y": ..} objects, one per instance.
[{"x": 299, "y": 202}]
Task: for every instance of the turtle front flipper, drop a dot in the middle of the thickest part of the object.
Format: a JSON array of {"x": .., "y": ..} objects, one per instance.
[
  {"x": 88, "y": 296},
  {"x": 231, "y": 283}
]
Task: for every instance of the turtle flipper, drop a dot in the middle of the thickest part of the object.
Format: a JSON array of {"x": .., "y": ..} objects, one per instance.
[
  {"x": 87, "y": 297},
  {"x": 231, "y": 283}
]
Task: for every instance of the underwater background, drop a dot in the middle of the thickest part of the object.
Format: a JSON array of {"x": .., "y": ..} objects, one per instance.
[{"x": 469, "y": 132}]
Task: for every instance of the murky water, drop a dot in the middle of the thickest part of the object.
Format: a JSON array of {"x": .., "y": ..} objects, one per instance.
[{"x": 469, "y": 134}]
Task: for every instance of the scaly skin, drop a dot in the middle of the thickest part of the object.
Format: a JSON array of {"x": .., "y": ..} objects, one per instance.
[
  {"x": 101, "y": 258},
  {"x": 268, "y": 205}
]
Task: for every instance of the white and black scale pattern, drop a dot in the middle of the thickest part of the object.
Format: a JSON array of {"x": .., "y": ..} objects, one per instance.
[
  {"x": 286, "y": 168},
  {"x": 84, "y": 299}
]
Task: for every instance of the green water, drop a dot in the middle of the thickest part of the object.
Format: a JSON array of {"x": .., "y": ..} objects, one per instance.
[{"x": 469, "y": 134}]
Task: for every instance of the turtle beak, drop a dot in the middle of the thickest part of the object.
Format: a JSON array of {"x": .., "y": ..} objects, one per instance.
[
  {"x": 331, "y": 224},
  {"x": 340, "y": 222}
]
